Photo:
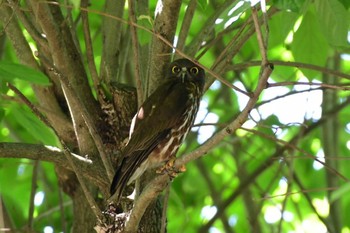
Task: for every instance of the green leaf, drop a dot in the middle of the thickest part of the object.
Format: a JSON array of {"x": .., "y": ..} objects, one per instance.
[
  {"x": 9, "y": 71},
  {"x": 76, "y": 3},
  {"x": 281, "y": 24},
  {"x": 203, "y": 4},
  {"x": 309, "y": 45},
  {"x": 334, "y": 20},
  {"x": 144, "y": 36},
  {"x": 3, "y": 86},
  {"x": 346, "y": 3},
  {"x": 33, "y": 126},
  {"x": 9, "y": 176},
  {"x": 292, "y": 5}
]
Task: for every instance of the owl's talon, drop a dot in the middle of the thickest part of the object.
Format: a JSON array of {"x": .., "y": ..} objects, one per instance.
[
  {"x": 170, "y": 169},
  {"x": 182, "y": 168}
]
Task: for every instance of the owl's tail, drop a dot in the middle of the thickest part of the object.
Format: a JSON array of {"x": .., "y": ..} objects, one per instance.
[{"x": 119, "y": 182}]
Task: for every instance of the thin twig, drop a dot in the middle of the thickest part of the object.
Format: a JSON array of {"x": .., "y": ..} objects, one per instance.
[
  {"x": 62, "y": 213},
  {"x": 49, "y": 212},
  {"x": 88, "y": 44},
  {"x": 224, "y": 53},
  {"x": 66, "y": 152},
  {"x": 208, "y": 27},
  {"x": 332, "y": 170},
  {"x": 136, "y": 53},
  {"x": 28, "y": 24},
  {"x": 215, "y": 195},
  {"x": 279, "y": 84},
  {"x": 309, "y": 200},
  {"x": 186, "y": 24},
  {"x": 291, "y": 64},
  {"x": 32, "y": 194},
  {"x": 218, "y": 77},
  {"x": 289, "y": 193},
  {"x": 286, "y": 95},
  {"x": 293, "y": 157},
  {"x": 265, "y": 21},
  {"x": 261, "y": 42},
  {"x": 69, "y": 17},
  {"x": 6, "y": 24}
]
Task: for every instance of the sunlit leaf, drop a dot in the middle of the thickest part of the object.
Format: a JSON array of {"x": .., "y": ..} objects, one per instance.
[
  {"x": 203, "y": 3},
  {"x": 76, "y": 3},
  {"x": 309, "y": 45},
  {"x": 334, "y": 19},
  {"x": 281, "y": 25}
]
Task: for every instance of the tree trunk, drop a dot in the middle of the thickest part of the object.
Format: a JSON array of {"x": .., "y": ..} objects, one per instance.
[{"x": 87, "y": 126}]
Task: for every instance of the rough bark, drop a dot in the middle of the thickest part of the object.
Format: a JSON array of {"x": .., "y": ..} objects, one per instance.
[{"x": 167, "y": 13}]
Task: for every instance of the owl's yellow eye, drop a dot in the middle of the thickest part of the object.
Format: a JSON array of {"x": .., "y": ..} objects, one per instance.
[
  {"x": 194, "y": 70},
  {"x": 175, "y": 69}
]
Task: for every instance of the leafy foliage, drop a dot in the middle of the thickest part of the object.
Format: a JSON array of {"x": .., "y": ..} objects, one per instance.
[{"x": 284, "y": 170}]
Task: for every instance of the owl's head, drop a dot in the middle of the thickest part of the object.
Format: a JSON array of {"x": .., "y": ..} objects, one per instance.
[{"x": 187, "y": 71}]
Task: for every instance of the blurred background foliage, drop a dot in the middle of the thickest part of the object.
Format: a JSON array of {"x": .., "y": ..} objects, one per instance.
[{"x": 285, "y": 170}]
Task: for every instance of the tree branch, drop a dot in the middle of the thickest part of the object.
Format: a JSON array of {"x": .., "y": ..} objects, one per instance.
[
  {"x": 32, "y": 195},
  {"x": 165, "y": 23},
  {"x": 148, "y": 194},
  {"x": 88, "y": 121},
  {"x": 261, "y": 41},
  {"x": 111, "y": 34},
  {"x": 346, "y": 87},
  {"x": 88, "y": 44},
  {"x": 186, "y": 24},
  {"x": 25, "y": 55},
  {"x": 136, "y": 54},
  {"x": 29, "y": 25},
  {"x": 66, "y": 152},
  {"x": 207, "y": 28},
  {"x": 67, "y": 59},
  {"x": 48, "y": 103},
  {"x": 90, "y": 169}
]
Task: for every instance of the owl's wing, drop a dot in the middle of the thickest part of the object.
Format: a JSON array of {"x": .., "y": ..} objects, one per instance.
[
  {"x": 154, "y": 120},
  {"x": 128, "y": 167},
  {"x": 159, "y": 113}
]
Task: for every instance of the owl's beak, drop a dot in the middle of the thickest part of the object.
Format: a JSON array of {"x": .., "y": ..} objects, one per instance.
[{"x": 183, "y": 73}]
